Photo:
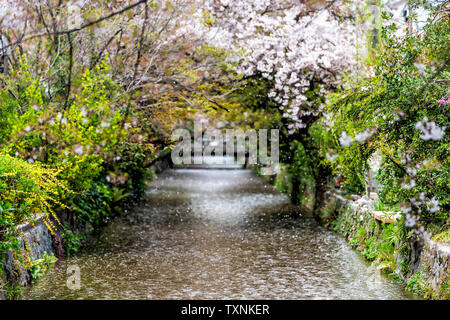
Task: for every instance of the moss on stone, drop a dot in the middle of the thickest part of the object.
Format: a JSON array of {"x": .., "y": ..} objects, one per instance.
[{"x": 443, "y": 237}]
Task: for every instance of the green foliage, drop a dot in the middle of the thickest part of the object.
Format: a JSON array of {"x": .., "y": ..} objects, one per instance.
[
  {"x": 117, "y": 196},
  {"x": 416, "y": 284},
  {"x": 26, "y": 191},
  {"x": 444, "y": 292},
  {"x": 306, "y": 162},
  {"x": 381, "y": 206},
  {"x": 385, "y": 245},
  {"x": 299, "y": 170},
  {"x": 40, "y": 266},
  {"x": 328, "y": 212},
  {"x": 283, "y": 180},
  {"x": 94, "y": 207},
  {"x": 12, "y": 291},
  {"x": 72, "y": 240},
  {"x": 405, "y": 89},
  {"x": 47, "y": 148},
  {"x": 443, "y": 237},
  {"x": 133, "y": 163}
]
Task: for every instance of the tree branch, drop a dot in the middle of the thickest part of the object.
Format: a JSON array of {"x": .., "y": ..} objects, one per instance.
[
  {"x": 176, "y": 82},
  {"x": 84, "y": 26}
]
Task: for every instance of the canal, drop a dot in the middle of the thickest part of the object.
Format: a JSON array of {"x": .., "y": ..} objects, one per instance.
[{"x": 216, "y": 234}]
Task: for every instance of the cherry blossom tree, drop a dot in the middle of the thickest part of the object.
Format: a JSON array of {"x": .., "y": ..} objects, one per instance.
[{"x": 303, "y": 50}]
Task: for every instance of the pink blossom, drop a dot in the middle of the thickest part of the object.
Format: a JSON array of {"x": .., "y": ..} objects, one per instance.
[{"x": 444, "y": 101}]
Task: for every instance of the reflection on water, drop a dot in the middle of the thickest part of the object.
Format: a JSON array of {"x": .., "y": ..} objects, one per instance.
[{"x": 216, "y": 234}]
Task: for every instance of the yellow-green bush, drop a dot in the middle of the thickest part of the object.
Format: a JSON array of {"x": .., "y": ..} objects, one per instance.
[{"x": 27, "y": 190}]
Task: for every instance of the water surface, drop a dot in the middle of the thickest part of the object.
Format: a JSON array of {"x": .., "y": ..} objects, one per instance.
[{"x": 216, "y": 234}]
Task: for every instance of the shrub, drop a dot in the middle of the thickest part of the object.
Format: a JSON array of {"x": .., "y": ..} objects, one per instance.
[
  {"x": 26, "y": 191},
  {"x": 398, "y": 113}
]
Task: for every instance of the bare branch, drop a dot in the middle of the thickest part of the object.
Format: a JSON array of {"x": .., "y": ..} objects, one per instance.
[{"x": 84, "y": 26}]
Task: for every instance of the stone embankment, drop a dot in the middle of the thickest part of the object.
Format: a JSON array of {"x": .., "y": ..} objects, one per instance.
[
  {"x": 39, "y": 241},
  {"x": 431, "y": 261}
]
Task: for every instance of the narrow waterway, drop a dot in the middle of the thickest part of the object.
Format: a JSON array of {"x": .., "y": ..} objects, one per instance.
[{"x": 216, "y": 234}]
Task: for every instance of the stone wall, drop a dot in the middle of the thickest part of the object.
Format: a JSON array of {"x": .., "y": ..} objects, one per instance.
[
  {"x": 435, "y": 268},
  {"x": 40, "y": 241},
  {"x": 432, "y": 261}
]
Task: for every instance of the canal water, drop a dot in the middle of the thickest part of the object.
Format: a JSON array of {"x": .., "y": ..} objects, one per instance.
[{"x": 215, "y": 234}]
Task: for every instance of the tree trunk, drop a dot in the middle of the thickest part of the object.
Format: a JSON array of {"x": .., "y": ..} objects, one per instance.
[{"x": 320, "y": 172}]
